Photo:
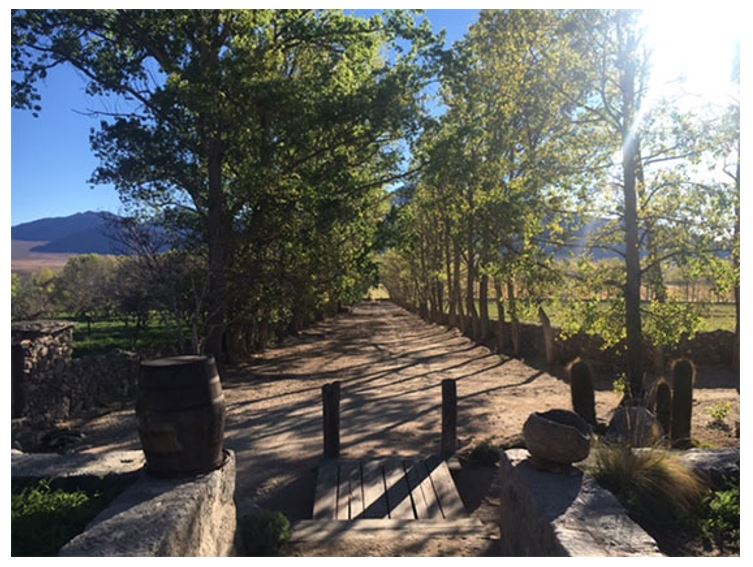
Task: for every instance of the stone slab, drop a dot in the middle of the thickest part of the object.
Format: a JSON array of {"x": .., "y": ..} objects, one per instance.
[
  {"x": 716, "y": 466},
  {"x": 563, "y": 514},
  {"x": 53, "y": 465},
  {"x": 192, "y": 517}
]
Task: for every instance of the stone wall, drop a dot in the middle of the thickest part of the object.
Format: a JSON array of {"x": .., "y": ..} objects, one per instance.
[
  {"x": 192, "y": 517},
  {"x": 715, "y": 348},
  {"x": 48, "y": 384},
  {"x": 41, "y": 352}
]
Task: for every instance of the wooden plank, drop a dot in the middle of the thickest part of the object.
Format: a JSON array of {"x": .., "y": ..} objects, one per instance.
[
  {"x": 326, "y": 531},
  {"x": 356, "y": 492},
  {"x": 414, "y": 475},
  {"x": 399, "y": 501},
  {"x": 446, "y": 491},
  {"x": 325, "y": 503},
  {"x": 343, "y": 491},
  {"x": 432, "y": 501},
  {"x": 374, "y": 498}
]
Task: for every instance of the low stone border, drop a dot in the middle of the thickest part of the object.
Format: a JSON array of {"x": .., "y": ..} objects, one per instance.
[
  {"x": 563, "y": 514},
  {"x": 53, "y": 465},
  {"x": 192, "y": 517}
]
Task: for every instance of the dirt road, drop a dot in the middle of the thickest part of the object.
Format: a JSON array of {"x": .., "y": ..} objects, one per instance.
[{"x": 390, "y": 364}]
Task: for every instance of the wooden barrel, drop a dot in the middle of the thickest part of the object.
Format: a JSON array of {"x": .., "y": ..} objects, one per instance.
[{"x": 181, "y": 415}]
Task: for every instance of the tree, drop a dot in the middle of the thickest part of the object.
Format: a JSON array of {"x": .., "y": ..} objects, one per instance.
[
  {"x": 236, "y": 115},
  {"x": 84, "y": 287},
  {"x": 32, "y": 296},
  {"x": 657, "y": 200},
  {"x": 499, "y": 164}
]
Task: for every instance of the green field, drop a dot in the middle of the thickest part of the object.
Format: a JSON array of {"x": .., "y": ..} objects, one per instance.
[{"x": 109, "y": 335}]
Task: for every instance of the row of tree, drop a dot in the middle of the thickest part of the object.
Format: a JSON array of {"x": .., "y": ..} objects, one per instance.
[
  {"x": 93, "y": 288},
  {"x": 549, "y": 143},
  {"x": 260, "y": 141}
]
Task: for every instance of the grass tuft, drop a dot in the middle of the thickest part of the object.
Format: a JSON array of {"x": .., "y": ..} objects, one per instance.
[{"x": 653, "y": 485}]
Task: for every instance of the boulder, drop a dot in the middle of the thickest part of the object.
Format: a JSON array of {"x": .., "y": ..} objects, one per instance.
[
  {"x": 557, "y": 437},
  {"x": 718, "y": 467}
]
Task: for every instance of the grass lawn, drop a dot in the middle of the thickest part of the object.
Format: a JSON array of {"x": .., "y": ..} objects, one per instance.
[{"x": 109, "y": 335}]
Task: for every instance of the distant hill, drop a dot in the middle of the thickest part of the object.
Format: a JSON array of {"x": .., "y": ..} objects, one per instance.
[{"x": 81, "y": 233}]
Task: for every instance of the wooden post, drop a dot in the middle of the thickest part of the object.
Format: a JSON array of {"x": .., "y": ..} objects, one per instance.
[
  {"x": 331, "y": 422},
  {"x": 546, "y": 327},
  {"x": 449, "y": 417}
]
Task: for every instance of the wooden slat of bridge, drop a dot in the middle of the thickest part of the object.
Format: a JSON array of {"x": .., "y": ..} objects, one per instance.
[{"x": 396, "y": 489}]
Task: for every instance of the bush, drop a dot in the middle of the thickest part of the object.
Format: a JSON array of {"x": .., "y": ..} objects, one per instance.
[
  {"x": 484, "y": 454},
  {"x": 719, "y": 413},
  {"x": 654, "y": 486},
  {"x": 720, "y": 522},
  {"x": 43, "y": 520},
  {"x": 264, "y": 532}
]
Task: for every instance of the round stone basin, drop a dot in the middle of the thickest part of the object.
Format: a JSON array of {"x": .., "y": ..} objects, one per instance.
[{"x": 559, "y": 437}]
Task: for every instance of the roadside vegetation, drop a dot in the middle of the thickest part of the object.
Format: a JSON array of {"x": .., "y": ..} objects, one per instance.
[
  {"x": 45, "y": 517},
  {"x": 666, "y": 498}
]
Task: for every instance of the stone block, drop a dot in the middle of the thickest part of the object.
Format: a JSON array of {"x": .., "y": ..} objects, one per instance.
[
  {"x": 563, "y": 514},
  {"x": 188, "y": 517},
  {"x": 52, "y": 465}
]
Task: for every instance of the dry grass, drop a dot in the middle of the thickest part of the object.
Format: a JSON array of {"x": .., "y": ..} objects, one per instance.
[{"x": 653, "y": 484}]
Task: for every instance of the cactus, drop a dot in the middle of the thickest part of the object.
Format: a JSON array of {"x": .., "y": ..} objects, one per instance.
[
  {"x": 664, "y": 404},
  {"x": 683, "y": 375},
  {"x": 582, "y": 391}
]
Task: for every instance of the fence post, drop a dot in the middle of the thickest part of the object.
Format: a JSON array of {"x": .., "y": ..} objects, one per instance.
[
  {"x": 331, "y": 421},
  {"x": 449, "y": 417},
  {"x": 548, "y": 333}
]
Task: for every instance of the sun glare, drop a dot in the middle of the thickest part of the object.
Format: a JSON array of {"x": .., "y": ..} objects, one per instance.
[{"x": 693, "y": 51}]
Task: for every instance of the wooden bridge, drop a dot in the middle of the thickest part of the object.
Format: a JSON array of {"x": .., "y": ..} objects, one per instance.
[{"x": 369, "y": 498}]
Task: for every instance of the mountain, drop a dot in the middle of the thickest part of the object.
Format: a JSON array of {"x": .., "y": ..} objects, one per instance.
[{"x": 81, "y": 233}]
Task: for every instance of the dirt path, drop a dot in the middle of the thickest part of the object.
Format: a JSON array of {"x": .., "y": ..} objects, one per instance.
[{"x": 390, "y": 364}]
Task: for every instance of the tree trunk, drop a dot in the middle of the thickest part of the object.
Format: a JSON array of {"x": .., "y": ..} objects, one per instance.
[
  {"x": 217, "y": 244},
  {"x": 501, "y": 338},
  {"x": 456, "y": 286},
  {"x": 450, "y": 283},
  {"x": 736, "y": 264},
  {"x": 483, "y": 297},
  {"x": 514, "y": 325},
  {"x": 630, "y": 153},
  {"x": 470, "y": 303},
  {"x": 440, "y": 302}
]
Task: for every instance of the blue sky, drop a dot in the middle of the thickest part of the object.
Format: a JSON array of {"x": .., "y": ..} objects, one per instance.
[{"x": 51, "y": 161}]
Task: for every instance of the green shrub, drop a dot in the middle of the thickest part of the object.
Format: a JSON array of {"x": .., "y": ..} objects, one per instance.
[
  {"x": 653, "y": 485},
  {"x": 43, "y": 520},
  {"x": 719, "y": 413},
  {"x": 621, "y": 386},
  {"x": 720, "y": 521},
  {"x": 484, "y": 454},
  {"x": 264, "y": 532}
]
